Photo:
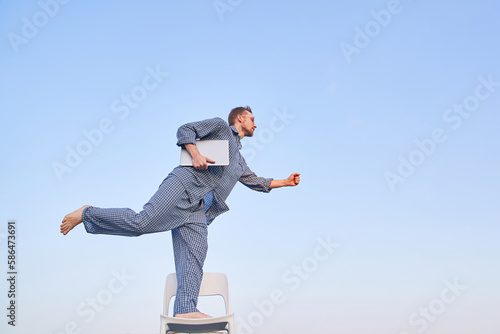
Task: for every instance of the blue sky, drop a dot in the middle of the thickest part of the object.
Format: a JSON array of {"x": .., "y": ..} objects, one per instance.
[{"x": 388, "y": 109}]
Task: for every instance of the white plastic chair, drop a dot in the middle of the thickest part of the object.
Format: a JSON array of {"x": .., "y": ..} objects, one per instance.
[{"x": 212, "y": 284}]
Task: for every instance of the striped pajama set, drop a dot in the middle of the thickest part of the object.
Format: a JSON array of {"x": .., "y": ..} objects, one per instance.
[{"x": 186, "y": 202}]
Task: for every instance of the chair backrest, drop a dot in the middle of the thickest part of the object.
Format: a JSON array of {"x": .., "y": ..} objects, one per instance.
[{"x": 212, "y": 284}]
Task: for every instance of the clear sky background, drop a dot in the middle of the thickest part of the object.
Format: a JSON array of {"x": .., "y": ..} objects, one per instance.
[{"x": 388, "y": 109}]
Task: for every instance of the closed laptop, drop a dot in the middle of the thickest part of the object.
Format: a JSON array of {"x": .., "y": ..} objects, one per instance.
[{"x": 217, "y": 150}]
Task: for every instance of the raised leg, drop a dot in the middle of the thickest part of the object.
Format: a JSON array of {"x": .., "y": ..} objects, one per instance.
[{"x": 167, "y": 209}]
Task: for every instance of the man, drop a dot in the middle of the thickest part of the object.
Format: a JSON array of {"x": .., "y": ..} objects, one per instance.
[{"x": 186, "y": 202}]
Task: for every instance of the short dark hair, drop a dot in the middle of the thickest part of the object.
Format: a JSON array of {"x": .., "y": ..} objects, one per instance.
[{"x": 235, "y": 112}]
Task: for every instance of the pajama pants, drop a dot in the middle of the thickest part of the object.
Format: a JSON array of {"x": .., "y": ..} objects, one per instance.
[{"x": 168, "y": 209}]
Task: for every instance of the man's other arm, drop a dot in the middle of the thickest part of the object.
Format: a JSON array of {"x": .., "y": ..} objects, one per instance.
[
  {"x": 200, "y": 162},
  {"x": 188, "y": 133}
]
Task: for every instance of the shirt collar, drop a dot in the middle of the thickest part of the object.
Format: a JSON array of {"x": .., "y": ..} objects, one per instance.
[{"x": 237, "y": 135}]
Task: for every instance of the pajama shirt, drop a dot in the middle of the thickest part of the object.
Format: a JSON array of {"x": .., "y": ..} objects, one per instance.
[{"x": 186, "y": 202}]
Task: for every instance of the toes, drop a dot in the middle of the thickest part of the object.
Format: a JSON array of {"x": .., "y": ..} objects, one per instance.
[{"x": 64, "y": 228}]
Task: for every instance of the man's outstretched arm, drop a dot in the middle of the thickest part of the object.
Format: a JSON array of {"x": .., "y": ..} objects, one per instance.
[
  {"x": 257, "y": 183},
  {"x": 292, "y": 181}
]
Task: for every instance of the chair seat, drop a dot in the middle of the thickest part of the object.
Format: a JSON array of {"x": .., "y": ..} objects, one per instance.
[
  {"x": 203, "y": 325},
  {"x": 203, "y": 328}
]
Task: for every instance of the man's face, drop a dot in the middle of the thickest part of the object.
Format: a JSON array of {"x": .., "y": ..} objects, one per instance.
[{"x": 248, "y": 126}]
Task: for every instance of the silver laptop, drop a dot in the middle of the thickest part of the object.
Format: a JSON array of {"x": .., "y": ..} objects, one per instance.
[{"x": 217, "y": 150}]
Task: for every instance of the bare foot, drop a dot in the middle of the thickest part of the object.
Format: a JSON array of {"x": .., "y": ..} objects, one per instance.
[
  {"x": 72, "y": 219},
  {"x": 192, "y": 315}
]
